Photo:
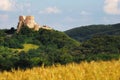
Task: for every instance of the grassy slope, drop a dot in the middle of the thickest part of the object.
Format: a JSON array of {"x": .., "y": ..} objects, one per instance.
[
  {"x": 101, "y": 70},
  {"x": 27, "y": 47}
]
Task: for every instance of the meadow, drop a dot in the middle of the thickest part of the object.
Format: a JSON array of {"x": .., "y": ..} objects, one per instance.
[
  {"x": 26, "y": 47},
  {"x": 100, "y": 70}
]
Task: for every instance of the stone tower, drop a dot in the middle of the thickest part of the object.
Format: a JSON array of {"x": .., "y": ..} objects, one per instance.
[{"x": 28, "y": 21}]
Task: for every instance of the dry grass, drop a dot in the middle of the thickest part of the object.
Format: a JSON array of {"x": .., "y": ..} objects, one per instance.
[{"x": 109, "y": 70}]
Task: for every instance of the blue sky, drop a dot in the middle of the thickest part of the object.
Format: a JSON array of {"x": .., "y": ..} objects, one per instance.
[{"x": 60, "y": 14}]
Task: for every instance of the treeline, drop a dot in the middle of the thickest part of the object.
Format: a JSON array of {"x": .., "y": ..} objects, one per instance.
[
  {"x": 100, "y": 47},
  {"x": 54, "y": 48},
  {"x": 86, "y": 32},
  {"x": 102, "y": 44},
  {"x": 49, "y": 55},
  {"x": 10, "y": 59}
]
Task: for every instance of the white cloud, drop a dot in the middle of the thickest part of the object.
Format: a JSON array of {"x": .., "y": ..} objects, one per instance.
[
  {"x": 50, "y": 10},
  {"x": 6, "y": 5},
  {"x": 3, "y": 17},
  {"x": 112, "y": 6}
]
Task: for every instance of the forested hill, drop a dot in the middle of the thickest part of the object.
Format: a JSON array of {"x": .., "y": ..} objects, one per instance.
[
  {"x": 86, "y": 32},
  {"x": 30, "y": 48},
  {"x": 11, "y": 39}
]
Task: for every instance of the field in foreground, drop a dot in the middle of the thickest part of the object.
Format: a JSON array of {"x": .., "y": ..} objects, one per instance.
[{"x": 102, "y": 70}]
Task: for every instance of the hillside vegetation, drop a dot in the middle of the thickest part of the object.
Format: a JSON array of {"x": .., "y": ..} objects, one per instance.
[
  {"x": 102, "y": 70},
  {"x": 102, "y": 44},
  {"x": 97, "y": 41},
  {"x": 30, "y": 48},
  {"x": 86, "y": 32}
]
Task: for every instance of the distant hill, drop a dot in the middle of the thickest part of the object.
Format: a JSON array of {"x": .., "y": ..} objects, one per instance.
[{"x": 86, "y": 32}]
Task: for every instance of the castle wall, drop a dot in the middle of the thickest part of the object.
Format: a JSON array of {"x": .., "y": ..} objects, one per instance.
[
  {"x": 30, "y": 22},
  {"x": 22, "y": 18}
]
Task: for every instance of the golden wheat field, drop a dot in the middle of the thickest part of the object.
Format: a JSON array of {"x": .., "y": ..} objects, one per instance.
[{"x": 102, "y": 70}]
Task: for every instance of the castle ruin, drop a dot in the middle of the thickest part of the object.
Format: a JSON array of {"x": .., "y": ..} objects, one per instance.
[{"x": 30, "y": 23}]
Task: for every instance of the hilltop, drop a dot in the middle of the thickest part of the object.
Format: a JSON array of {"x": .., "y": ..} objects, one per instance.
[
  {"x": 86, "y": 32},
  {"x": 29, "y": 21},
  {"x": 97, "y": 41},
  {"x": 30, "y": 48}
]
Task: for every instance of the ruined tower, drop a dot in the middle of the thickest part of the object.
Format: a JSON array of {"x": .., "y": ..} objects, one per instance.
[{"x": 27, "y": 21}]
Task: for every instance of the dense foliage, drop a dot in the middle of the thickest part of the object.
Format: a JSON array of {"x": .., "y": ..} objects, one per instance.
[
  {"x": 53, "y": 47},
  {"x": 87, "y": 32},
  {"x": 102, "y": 44}
]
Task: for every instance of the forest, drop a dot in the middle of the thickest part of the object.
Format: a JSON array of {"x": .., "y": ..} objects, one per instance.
[
  {"x": 30, "y": 48},
  {"x": 83, "y": 33}
]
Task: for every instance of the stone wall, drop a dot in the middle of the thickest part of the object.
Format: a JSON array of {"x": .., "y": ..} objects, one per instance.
[{"x": 28, "y": 21}]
